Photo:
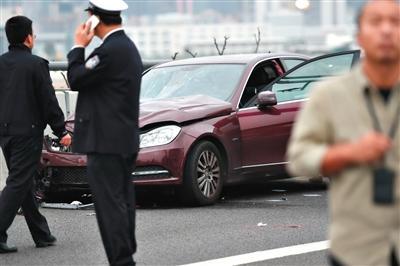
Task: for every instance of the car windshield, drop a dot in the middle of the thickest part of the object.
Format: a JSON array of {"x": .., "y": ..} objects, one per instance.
[{"x": 214, "y": 80}]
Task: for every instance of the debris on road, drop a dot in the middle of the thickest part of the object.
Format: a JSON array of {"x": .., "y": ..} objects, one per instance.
[
  {"x": 261, "y": 224},
  {"x": 292, "y": 226},
  {"x": 66, "y": 206},
  {"x": 277, "y": 200},
  {"x": 91, "y": 214}
]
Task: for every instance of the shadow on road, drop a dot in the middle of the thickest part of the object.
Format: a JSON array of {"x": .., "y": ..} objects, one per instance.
[
  {"x": 260, "y": 194},
  {"x": 253, "y": 195}
]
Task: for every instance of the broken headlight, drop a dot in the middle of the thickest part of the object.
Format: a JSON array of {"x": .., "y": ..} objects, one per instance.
[{"x": 159, "y": 136}]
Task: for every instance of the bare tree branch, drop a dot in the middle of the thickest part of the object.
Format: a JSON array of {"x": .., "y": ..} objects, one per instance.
[
  {"x": 191, "y": 53},
  {"x": 226, "y": 38},
  {"x": 174, "y": 56},
  {"x": 221, "y": 52},
  {"x": 216, "y": 45},
  {"x": 258, "y": 39}
]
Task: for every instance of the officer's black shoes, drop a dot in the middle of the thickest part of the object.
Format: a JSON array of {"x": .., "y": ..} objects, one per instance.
[
  {"x": 4, "y": 248},
  {"x": 49, "y": 241}
]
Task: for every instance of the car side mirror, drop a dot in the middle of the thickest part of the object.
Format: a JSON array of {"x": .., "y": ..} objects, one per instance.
[{"x": 266, "y": 99}]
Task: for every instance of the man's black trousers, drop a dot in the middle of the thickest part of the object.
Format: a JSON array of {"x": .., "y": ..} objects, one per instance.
[
  {"x": 22, "y": 155},
  {"x": 110, "y": 179}
]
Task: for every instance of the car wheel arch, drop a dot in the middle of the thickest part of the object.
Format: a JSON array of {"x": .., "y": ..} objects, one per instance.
[{"x": 193, "y": 193}]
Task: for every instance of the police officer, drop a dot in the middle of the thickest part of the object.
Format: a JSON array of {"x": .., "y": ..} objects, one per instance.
[
  {"x": 106, "y": 126},
  {"x": 27, "y": 104}
]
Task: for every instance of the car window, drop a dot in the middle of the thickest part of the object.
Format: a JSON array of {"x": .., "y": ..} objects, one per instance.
[
  {"x": 328, "y": 66},
  {"x": 291, "y": 90},
  {"x": 297, "y": 84},
  {"x": 214, "y": 80},
  {"x": 291, "y": 63},
  {"x": 262, "y": 75}
]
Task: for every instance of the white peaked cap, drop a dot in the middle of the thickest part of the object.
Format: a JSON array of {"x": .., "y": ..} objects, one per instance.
[{"x": 108, "y": 5}]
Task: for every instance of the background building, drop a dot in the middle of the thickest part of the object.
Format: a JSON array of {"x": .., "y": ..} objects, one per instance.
[{"x": 163, "y": 28}]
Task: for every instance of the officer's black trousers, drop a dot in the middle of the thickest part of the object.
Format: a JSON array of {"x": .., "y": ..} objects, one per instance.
[
  {"x": 114, "y": 200},
  {"x": 22, "y": 154}
]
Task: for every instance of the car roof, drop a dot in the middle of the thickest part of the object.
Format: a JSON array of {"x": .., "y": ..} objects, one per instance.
[{"x": 231, "y": 59}]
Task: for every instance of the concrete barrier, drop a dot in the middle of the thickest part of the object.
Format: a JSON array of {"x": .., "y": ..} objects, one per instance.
[{"x": 71, "y": 98}]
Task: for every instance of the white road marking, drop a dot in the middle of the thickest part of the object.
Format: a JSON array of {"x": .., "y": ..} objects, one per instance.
[
  {"x": 265, "y": 255},
  {"x": 312, "y": 195}
]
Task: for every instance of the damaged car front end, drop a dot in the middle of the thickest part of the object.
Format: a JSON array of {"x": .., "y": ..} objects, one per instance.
[{"x": 170, "y": 128}]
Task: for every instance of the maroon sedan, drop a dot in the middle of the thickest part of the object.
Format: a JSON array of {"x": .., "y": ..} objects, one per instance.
[{"x": 212, "y": 121}]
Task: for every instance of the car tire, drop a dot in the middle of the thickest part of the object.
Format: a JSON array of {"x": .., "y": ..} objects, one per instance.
[{"x": 203, "y": 176}]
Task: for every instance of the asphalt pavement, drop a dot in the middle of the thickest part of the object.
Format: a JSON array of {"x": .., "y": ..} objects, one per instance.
[{"x": 247, "y": 219}]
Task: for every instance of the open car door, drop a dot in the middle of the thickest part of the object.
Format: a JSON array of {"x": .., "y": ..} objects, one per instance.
[{"x": 266, "y": 129}]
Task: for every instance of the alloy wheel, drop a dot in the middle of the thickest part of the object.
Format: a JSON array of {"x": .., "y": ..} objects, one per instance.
[{"x": 208, "y": 173}]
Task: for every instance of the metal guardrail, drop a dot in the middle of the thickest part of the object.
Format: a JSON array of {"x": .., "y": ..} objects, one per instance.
[{"x": 63, "y": 65}]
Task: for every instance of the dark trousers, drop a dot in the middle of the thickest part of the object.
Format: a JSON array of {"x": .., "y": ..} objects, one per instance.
[
  {"x": 114, "y": 200},
  {"x": 22, "y": 154}
]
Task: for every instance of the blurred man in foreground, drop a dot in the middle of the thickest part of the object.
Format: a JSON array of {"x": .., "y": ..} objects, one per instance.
[{"x": 349, "y": 130}]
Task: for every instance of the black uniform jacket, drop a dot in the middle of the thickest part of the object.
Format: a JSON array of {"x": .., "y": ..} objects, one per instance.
[
  {"x": 27, "y": 98},
  {"x": 106, "y": 119}
]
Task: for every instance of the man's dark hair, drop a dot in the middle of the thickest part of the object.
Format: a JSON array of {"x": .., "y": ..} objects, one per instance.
[
  {"x": 110, "y": 19},
  {"x": 17, "y": 29}
]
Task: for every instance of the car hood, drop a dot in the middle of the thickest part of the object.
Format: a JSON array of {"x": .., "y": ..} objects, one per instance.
[
  {"x": 177, "y": 110},
  {"x": 182, "y": 109}
]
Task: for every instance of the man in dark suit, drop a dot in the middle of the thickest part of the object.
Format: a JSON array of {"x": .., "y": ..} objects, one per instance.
[
  {"x": 106, "y": 123},
  {"x": 27, "y": 104}
]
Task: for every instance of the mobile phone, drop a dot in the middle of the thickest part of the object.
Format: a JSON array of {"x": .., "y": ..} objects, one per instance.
[
  {"x": 384, "y": 186},
  {"x": 94, "y": 20}
]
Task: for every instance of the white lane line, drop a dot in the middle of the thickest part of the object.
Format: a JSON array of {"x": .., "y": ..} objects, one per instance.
[{"x": 265, "y": 255}]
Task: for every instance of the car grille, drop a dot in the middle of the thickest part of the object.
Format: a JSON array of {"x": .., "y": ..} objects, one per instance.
[
  {"x": 69, "y": 176},
  {"x": 78, "y": 175}
]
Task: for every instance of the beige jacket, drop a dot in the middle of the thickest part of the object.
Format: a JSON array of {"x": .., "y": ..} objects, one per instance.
[{"x": 361, "y": 232}]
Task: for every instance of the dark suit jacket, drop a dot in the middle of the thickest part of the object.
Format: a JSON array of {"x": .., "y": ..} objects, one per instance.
[
  {"x": 106, "y": 119},
  {"x": 27, "y": 98}
]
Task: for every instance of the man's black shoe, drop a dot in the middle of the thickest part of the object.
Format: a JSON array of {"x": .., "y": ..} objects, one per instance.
[
  {"x": 6, "y": 249},
  {"x": 49, "y": 241}
]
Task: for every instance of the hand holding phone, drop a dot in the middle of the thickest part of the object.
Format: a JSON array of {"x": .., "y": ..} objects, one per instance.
[
  {"x": 93, "y": 21},
  {"x": 84, "y": 34}
]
